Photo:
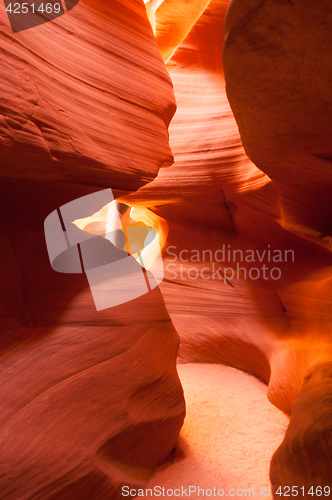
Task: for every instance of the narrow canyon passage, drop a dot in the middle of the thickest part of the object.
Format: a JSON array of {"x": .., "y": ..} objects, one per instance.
[
  {"x": 229, "y": 435},
  {"x": 178, "y": 154}
]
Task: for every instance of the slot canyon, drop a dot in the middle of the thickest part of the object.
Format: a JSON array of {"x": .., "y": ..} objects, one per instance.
[{"x": 166, "y": 238}]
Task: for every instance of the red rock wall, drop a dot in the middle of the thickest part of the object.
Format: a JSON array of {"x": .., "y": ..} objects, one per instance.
[
  {"x": 92, "y": 117},
  {"x": 276, "y": 60},
  {"x": 89, "y": 401},
  {"x": 74, "y": 88},
  {"x": 278, "y": 66}
]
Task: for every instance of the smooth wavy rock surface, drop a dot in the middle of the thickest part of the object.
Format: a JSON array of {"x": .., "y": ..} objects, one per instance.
[
  {"x": 87, "y": 104},
  {"x": 278, "y": 68},
  {"x": 214, "y": 199},
  {"x": 90, "y": 401},
  {"x": 86, "y": 98},
  {"x": 304, "y": 457}
]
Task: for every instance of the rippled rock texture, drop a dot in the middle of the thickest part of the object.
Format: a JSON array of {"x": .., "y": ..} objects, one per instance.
[
  {"x": 276, "y": 58},
  {"x": 85, "y": 98},
  {"x": 90, "y": 401},
  {"x": 215, "y": 198},
  {"x": 87, "y": 105},
  {"x": 277, "y": 68}
]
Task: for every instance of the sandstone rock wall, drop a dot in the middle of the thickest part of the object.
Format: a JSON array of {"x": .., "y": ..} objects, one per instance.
[{"x": 89, "y": 401}]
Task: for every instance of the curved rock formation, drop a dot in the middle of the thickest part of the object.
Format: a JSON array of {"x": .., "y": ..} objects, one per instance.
[
  {"x": 90, "y": 401},
  {"x": 304, "y": 458},
  {"x": 95, "y": 115},
  {"x": 277, "y": 65},
  {"x": 86, "y": 98},
  {"x": 91, "y": 404},
  {"x": 240, "y": 212},
  {"x": 172, "y": 22},
  {"x": 213, "y": 198}
]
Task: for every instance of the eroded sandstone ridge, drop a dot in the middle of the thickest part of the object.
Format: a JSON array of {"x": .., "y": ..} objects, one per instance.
[
  {"x": 89, "y": 401},
  {"x": 87, "y": 102},
  {"x": 85, "y": 96},
  {"x": 304, "y": 458},
  {"x": 214, "y": 198},
  {"x": 277, "y": 68},
  {"x": 278, "y": 72}
]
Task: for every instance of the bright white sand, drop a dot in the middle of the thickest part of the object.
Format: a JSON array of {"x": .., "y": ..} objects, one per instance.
[{"x": 228, "y": 438}]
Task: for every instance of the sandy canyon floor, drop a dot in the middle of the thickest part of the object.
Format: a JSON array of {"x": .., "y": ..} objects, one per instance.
[{"x": 230, "y": 433}]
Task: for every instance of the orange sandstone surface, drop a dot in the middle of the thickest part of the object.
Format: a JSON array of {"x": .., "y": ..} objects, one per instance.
[{"x": 91, "y": 401}]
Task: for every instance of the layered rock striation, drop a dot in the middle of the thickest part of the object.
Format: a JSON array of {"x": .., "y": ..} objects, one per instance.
[
  {"x": 277, "y": 65},
  {"x": 87, "y": 104},
  {"x": 85, "y": 98},
  {"x": 90, "y": 401}
]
